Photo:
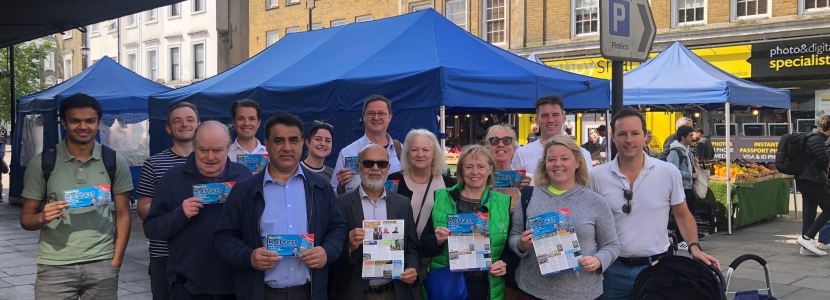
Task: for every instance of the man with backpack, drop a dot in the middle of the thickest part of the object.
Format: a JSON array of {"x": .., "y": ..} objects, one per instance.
[
  {"x": 681, "y": 157},
  {"x": 79, "y": 256},
  {"x": 812, "y": 182}
]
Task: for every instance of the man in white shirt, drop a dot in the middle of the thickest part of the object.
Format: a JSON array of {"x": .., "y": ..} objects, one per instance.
[
  {"x": 247, "y": 115},
  {"x": 550, "y": 116},
  {"x": 377, "y": 113},
  {"x": 640, "y": 191}
]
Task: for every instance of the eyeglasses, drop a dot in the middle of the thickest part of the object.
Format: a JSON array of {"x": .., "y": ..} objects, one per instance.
[
  {"x": 368, "y": 164},
  {"x": 494, "y": 141},
  {"x": 371, "y": 114},
  {"x": 628, "y": 194},
  {"x": 323, "y": 123}
]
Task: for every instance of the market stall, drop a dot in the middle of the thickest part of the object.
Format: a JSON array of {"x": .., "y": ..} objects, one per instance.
[{"x": 678, "y": 79}]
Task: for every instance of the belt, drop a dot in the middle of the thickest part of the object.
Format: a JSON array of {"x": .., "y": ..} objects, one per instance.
[
  {"x": 291, "y": 289},
  {"x": 382, "y": 288},
  {"x": 640, "y": 261}
]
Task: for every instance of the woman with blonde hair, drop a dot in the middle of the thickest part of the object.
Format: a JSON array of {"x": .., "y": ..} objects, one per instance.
[
  {"x": 500, "y": 141},
  {"x": 563, "y": 184},
  {"x": 471, "y": 195}
]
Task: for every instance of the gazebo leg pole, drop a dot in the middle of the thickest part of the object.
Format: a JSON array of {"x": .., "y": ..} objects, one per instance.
[
  {"x": 443, "y": 125},
  {"x": 728, "y": 170}
]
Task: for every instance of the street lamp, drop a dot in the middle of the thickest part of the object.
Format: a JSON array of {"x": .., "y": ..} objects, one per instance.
[
  {"x": 310, "y": 5},
  {"x": 85, "y": 54}
]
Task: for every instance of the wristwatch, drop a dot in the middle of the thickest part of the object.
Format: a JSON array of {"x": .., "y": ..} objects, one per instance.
[{"x": 694, "y": 244}]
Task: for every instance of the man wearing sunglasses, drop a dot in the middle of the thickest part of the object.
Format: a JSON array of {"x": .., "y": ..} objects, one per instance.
[
  {"x": 371, "y": 202},
  {"x": 377, "y": 113},
  {"x": 640, "y": 191},
  {"x": 550, "y": 117}
]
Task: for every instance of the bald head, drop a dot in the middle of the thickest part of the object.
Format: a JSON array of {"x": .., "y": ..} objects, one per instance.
[
  {"x": 373, "y": 177},
  {"x": 373, "y": 150},
  {"x": 211, "y": 143},
  {"x": 211, "y": 128}
]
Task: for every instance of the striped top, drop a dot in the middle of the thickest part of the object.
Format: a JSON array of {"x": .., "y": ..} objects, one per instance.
[{"x": 154, "y": 167}]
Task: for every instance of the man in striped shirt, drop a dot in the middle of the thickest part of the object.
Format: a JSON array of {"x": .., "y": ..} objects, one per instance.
[{"x": 182, "y": 121}]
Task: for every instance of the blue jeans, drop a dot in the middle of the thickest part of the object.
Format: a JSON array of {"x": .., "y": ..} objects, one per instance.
[
  {"x": 618, "y": 281},
  {"x": 824, "y": 234}
]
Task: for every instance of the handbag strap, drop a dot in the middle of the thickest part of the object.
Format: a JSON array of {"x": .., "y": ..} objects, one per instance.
[{"x": 426, "y": 192}]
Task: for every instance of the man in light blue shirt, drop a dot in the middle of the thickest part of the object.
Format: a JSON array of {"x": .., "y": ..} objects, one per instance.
[{"x": 285, "y": 209}]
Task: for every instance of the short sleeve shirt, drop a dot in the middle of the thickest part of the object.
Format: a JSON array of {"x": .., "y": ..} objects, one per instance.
[
  {"x": 352, "y": 150},
  {"x": 154, "y": 167},
  {"x": 658, "y": 186},
  {"x": 81, "y": 234},
  {"x": 527, "y": 158}
]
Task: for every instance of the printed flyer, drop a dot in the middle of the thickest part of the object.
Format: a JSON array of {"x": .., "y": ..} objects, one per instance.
[
  {"x": 469, "y": 243},
  {"x": 88, "y": 196},
  {"x": 212, "y": 192},
  {"x": 351, "y": 163},
  {"x": 391, "y": 185},
  {"x": 383, "y": 252},
  {"x": 254, "y": 162},
  {"x": 554, "y": 241},
  {"x": 508, "y": 179},
  {"x": 289, "y": 244}
]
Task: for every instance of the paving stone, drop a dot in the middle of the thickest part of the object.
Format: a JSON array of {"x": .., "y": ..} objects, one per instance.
[
  {"x": 21, "y": 280},
  {"x": 803, "y": 294},
  {"x": 143, "y": 296},
  {"x": 21, "y": 270},
  {"x": 133, "y": 276},
  {"x": 814, "y": 271},
  {"x": 26, "y": 241},
  {"x": 756, "y": 274},
  {"x": 136, "y": 287},
  {"x": 817, "y": 283},
  {"x": 20, "y": 291}
]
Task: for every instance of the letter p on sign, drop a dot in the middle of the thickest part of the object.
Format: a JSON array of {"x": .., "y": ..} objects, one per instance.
[{"x": 619, "y": 19}]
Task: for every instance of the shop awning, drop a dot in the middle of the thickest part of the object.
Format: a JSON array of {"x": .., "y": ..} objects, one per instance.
[{"x": 679, "y": 77}]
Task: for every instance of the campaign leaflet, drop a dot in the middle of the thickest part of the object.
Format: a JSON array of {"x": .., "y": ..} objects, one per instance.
[
  {"x": 351, "y": 163},
  {"x": 554, "y": 241},
  {"x": 469, "y": 243},
  {"x": 383, "y": 252},
  {"x": 510, "y": 178},
  {"x": 391, "y": 185},
  {"x": 289, "y": 244},
  {"x": 212, "y": 192},
  {"x": 254, "y": 162},
  {"x": 88, "y": 196}
]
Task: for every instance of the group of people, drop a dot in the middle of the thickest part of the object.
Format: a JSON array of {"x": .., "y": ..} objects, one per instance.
[{"x": 199, "y": 250}]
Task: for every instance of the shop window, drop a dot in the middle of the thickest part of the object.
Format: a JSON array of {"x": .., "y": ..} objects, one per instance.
[
  {"x": 272, "y": 37},
  {"x": 32, "y": 138},
  {"x": 457, "y": 12},
  {"x": 130, "y": 140},
  {"x": 750, "y": 9},
  {"x": 689, "y": 12},
  {"x": 585, "y": 17},
  {"x": 495, "y": 17}
]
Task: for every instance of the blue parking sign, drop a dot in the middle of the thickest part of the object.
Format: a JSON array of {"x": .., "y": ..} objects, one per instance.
[{"x": 619, "y": 18}]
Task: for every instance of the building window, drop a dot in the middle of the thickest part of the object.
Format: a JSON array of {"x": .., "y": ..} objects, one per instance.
[
  {"x": 690, "y": 12},
  {"x": 316, "y": 26},
  {"x": 289, "y": 2},
  {"x": 152, "y": 15},
  {"x": 112, "y": 25},
  {"x": 816, "y": 4},
  {"x": 176, "y": 10},
  {"x": 362, "y": 19},
  {"x": 272, "y": 37},
  {"x": 67, "y": 34},
  {"x": 292, "y": 30},
  {"x": 586, "y": 20},
  {"x": 198, "y": 5},
  {"x": 421, "y": 7},
  {"x": 494, "y": 21},
  {"x": 67, "y": 68},
  {"x": 130, "y": 20},
  {"x": 457, "y": 12},
  {"x": 174, "y": 64},
  {"x": 198, "y": 61},
  {"x": 49, "y": 62},
  {"x": 271, "y": 3},
  {"x": 751, "y": 8},
  {"x": 152, "y": 65},
  {"x": 336, "y": 23},
  {"x": 131, "y": 61},
  {"x": 94, "y": 29}
]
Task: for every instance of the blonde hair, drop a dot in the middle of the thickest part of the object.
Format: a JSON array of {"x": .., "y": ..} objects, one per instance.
[
  {"x": 581, "y": 175},
  {"x": 493, "y": 128},
  {"x": 439, "y": 162},
  {"x": 474, "y": 150}
]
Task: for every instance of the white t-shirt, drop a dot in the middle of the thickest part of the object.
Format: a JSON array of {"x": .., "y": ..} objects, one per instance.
[
  {"x": 528, "y": 156},
  {"x": 236, "y": 149},
  {"x": 659, "y": 186},
  {"x": 352, "y": 150}
]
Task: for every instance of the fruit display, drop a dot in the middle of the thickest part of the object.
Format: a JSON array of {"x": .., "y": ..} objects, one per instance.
[{"x": 748, "y": 172}]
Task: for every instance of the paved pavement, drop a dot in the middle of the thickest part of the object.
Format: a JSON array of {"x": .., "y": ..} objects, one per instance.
[{"x": 794, "y": 277}]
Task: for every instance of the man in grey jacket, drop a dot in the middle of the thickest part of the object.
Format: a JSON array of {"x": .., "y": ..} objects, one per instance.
[{"x": 681, "y": 156}]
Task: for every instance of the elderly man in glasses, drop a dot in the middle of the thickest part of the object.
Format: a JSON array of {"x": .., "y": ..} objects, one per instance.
[
  {"x": 640, "y": 191},
  {"x": 372, "y": 202}
]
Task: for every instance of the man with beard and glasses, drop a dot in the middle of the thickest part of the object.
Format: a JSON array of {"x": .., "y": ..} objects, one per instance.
[
  {"x": 550, "y": 116},
  {"x": 247, "y": 115},
  {"x": 182, "y": 121},
  {"x": 78, "y": 254},
  {"x": 640, "y": 191},
  {"x": 372, "y": 202},
  {"x": 377, "y": 113}
]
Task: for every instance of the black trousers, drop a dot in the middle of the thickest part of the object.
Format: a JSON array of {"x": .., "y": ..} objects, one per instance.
[
  {"x": 301, "y": 292},
  {"x": 813, "y": 195},
  {"x": 178, "y": 292},
  {"x": 691, "y": 200},
  {"x": 158, "y": 278}
]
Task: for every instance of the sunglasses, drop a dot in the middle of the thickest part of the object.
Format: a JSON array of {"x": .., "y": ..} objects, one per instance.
[
  {"x": 494, "y": 141},
  {"x": 628, "y": 194},
  {"x": 368, "y": 164}
]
